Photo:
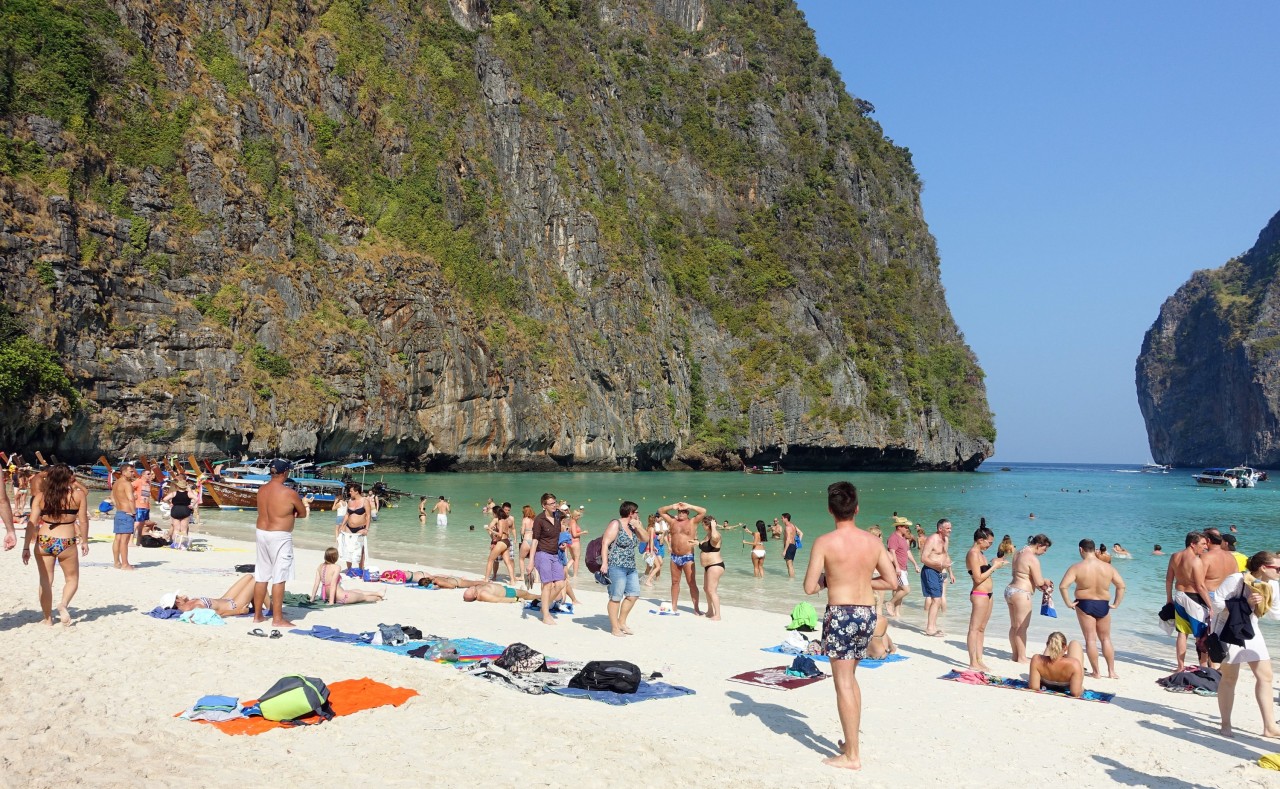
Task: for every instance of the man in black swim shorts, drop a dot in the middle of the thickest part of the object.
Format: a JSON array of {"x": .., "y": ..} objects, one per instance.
[{"x": 1093, "y": 579}]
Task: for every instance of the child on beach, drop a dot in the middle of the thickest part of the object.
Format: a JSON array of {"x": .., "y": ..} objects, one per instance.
[{"x": 329, "y": 583}]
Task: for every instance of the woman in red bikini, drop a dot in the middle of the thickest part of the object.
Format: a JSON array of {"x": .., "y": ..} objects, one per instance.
[
  {"x": 980, "y": 597},
  {"x": 59, "y": 522}
]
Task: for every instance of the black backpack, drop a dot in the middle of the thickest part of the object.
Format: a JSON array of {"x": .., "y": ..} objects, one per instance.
[{"x": 618, "y": 676}]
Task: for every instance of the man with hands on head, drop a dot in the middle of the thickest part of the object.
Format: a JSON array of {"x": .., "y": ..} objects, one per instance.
[{"x": 682, "y": 538}]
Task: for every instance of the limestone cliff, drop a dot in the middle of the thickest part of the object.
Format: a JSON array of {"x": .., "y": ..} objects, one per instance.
[
  {"x": 1209, "y": 371},
  {"x": 469, "y": 234}
]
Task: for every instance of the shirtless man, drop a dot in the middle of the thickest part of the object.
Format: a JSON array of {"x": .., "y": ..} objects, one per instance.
[
  {"x": 1093, "y": 579},
  {"x": 842, "y": 561},
  {"x": 1218, "y": 561},
  {"x": 1186, "y": 591},
  {"x": 278, "y": 508},
  {"x": 442, "y": 509},
  {"x": 1027, "y": 578},
  {"x": 790, "y": 534},
  {"x": 125, "y": 522},
  {"x": 496, "y": 593},
  {"x": 141, "y": 502},
  {"x": 683, "y": 538},
  {"x": 933, "y": 555}
]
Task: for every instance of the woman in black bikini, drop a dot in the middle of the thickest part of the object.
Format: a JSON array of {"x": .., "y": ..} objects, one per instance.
[
  {"x": 980, "y": 597},
  {"x": 59, "y": 522},
  {"x": 352, "y": 534},
  {"x": 712, "y": 567}
]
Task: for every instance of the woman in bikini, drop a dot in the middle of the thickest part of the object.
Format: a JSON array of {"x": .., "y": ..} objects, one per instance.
[
  {"x": 352, "y": 534},
  {"x": 500, "y": 543},
  {"x": 757, "y": 550},
  {"x": 1027, "y": 577},
  {"x": 526, "y": 545},
  {"x": 235, "y": 601},
  {"x": 981, "y": 572},
  {"x": 576, "y": 532},
  {"x": 712, "y": 567},
  {"x": 1060, "y": 668},
  {"x": 59, "y": 522},
  {"x": 329, "y": 584}
]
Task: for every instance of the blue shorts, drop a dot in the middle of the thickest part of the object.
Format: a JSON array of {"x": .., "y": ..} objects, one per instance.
[
  {"x": 122, "y": 523},
  {"x": 623, "y": 582},
  {"x": 930, "y": 582},
  {"x": 142, "y": 515}
]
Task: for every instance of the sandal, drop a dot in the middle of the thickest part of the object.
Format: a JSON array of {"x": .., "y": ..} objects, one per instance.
[
  {"x": 257, "y": 631},
  {"x": 276, "y": 634}
]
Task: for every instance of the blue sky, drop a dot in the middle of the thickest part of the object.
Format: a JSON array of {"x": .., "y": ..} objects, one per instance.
[{"x": 1080, "y": 161}]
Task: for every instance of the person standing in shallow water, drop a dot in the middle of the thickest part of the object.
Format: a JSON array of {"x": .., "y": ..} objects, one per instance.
[{"x": 842, "y": 562}]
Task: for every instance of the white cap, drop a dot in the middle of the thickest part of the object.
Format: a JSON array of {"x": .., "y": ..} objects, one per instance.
[{"x": 169, "y": 600}]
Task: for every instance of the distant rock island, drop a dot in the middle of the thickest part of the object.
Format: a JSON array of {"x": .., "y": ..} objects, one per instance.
[
  {"x": 1208, "y": 375},
  {"x": 462, "y": 234}
]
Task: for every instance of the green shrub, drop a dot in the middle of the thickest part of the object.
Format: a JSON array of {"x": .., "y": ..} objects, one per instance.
[
  {"x": 273, "y": 363},
  {"x": 29, "y": 369},
  {"x": 215, "y": 54}
]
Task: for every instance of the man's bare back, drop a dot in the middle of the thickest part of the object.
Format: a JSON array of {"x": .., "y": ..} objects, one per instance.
[
  {"x": 1218, "y": 565},
  {"x": 847, "y": 557},
  {"x": 1187, "y": 569},
  {"x": 1093, "y": 580}
]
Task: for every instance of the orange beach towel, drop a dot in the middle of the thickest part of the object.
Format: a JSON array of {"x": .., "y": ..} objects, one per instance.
[{"x": 345, "y": 696}]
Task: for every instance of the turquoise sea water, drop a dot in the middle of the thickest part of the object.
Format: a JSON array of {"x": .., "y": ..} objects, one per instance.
[{"x": 1111, "y": 503}]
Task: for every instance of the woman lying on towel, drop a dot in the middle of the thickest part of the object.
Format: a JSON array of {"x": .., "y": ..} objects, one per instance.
[
  {"x": 329, "y": 584},
  {"x": 438, "y": 581},
  {"x": 235, "y": 601},
  {"x": 1060, "y": 668}
]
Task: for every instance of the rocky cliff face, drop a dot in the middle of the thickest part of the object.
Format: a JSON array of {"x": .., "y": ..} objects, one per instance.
[
  {"x": 469, "y": 234},
  {"x": 1209, "y": 371}
]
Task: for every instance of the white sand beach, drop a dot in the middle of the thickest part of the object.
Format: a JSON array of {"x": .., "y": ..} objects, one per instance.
[{"x": 94, "y": 704}]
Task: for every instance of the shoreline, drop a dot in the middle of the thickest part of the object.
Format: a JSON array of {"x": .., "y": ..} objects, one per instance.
[{"x": 1145, "y": 737}]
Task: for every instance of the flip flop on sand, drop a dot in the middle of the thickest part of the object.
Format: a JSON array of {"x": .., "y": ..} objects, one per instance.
[
  {"x": 276, "y": 634},
  {"x": 257, "y": 631},
  {"x": 935, "y": 634}
]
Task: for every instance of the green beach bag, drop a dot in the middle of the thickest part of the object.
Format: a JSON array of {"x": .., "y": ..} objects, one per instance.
[
  {"x": 294, "y": 697},
  {"x": 803, "y": 617}
]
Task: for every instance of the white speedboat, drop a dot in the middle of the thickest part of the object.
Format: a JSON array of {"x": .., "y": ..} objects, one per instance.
[
  {"x": 1155, "y": 468},
  {"x": 1245, "y": 476},
  {"x": 1216, "y": 476}
]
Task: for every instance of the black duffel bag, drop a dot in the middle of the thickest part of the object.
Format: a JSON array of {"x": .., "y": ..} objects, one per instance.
[{"x": 618, "y": 676}]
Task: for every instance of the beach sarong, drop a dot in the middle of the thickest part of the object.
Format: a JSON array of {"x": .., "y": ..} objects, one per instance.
[
  {"x": 993, "y": 681},
  {"x": 352, "y": 548},
  {"x": 345, "y": 697},
  {"x": 1189, "y": 615},
  {"x": 775, "y": 678}
]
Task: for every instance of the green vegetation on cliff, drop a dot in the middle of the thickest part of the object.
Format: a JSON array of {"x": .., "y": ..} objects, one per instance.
[{"x": 724, "y": 171}]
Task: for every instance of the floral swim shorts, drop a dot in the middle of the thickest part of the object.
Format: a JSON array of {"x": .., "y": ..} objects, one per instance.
[{"x": 846, "y": 631}]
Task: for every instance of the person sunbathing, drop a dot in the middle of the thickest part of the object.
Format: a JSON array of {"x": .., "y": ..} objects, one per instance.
[
  {"x": 329, "y": 584},
  {"x": 1060, "y": 668},
  {"x": 881, "y": 645},
  {"x": 439, "y": 581},
  {"x": 496, "y": 593},
  {"x": 235, "y": 601}
]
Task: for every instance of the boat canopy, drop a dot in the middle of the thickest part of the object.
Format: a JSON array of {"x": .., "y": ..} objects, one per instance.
[{"x": 361, "y": 464}]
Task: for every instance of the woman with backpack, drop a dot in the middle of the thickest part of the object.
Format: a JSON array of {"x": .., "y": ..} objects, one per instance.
[{"x": 618, "y": 562}]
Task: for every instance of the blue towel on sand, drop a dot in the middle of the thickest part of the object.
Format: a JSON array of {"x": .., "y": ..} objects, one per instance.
[
  {"x": 216, "y": 703},
  {"x": 782, "y": 649},
  {"x": 333, "y": 634},
  {"x": 646, "y": 691},
  {"x": 556, "y": 607},
  {"x": 163, "y": 613}
]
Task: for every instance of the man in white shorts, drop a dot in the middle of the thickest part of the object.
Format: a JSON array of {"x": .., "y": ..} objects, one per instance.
[
  {"x": 442, "y": 512},
  {"x": 900, "y": 548},
  {"x": 278, "y": 507}
]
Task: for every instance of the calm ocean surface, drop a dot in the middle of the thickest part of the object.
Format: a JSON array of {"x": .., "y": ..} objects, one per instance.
[{"x": 1111, "y": 503}]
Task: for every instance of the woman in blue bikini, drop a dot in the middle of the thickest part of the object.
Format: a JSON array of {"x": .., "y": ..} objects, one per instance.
[
  {"x": 59, "y": 522},
  {"x": 235, "y": 601}
]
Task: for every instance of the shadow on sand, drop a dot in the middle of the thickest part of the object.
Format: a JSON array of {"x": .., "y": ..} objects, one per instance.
[{"x": 781, "y": 720}]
